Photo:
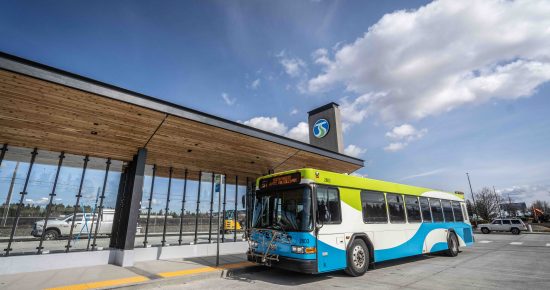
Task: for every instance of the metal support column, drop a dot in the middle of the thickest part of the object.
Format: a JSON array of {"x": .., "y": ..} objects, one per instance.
[
  {"x": 100, "y": 208},
  {"x": 3, "y": 153},
  {"x": 197, "y": 212},
  {"x": 211, "y": 208},
  {"x": 128, "y": 201},
  {"x": 49, "y": 206},
  {"x": 163, "y": 242},
  {"x": 20, "y": 205},
  {"x": 218, "y": 231},
  {"x": 246, "y": 206},
  {"x": 183, "y": 206},
  {"x": 235, "y": 217},
  {"x": 223, "y": 213},
  {"x": 77, "y": 204},
  {"x": 149, "y": 206}
]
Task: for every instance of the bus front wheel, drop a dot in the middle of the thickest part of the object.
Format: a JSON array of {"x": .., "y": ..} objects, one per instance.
[
  {"x": 358, "y": 258},
  {"x": 452, "y": 242}
]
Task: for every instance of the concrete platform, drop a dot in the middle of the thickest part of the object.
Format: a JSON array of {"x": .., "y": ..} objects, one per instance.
[{"x": 109, "y": 276}]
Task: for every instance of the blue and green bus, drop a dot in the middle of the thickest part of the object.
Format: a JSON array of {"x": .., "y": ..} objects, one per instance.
[{"x": 315, "y": 221}]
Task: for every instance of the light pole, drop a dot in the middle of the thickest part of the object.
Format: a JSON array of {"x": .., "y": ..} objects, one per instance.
[{"x": 473, "y": 196}]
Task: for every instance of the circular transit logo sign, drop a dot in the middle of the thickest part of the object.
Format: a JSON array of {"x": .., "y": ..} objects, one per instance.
[{"x": 321, "y": 128}]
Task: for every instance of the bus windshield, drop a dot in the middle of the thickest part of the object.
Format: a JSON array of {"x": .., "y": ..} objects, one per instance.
[{"x": 288, "y": 210}]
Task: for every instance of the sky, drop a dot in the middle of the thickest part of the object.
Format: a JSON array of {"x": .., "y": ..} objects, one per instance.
[{"x": 427, "y": 90}]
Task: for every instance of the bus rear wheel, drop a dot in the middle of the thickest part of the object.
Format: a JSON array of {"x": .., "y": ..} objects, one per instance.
[
  {"x": 358, "y": 258},
  {"x": 452, "y": 243}
]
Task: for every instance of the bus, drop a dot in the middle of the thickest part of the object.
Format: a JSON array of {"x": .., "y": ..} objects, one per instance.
[{"x": 315, "y": 221}]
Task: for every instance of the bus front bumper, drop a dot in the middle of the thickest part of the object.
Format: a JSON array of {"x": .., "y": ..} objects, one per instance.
[{"x": 291, "y": 264}]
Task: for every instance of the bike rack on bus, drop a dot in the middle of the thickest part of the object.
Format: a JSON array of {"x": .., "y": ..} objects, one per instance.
[{"x": 266, "y": 258}]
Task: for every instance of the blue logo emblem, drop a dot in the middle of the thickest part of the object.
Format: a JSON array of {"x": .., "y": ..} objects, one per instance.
[{"x": 321, "y": 128}]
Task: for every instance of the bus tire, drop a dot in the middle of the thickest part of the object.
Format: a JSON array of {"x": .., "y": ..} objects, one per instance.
[
  {"x": 453, "y": 245},
  {"x": 358, "y": 258}
]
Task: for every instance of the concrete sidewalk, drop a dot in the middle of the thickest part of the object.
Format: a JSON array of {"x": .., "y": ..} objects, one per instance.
[{"x": 109, "y": 276}]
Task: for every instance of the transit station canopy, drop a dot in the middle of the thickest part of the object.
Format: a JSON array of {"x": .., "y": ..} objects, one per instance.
[{"x": 55, "y": 110}]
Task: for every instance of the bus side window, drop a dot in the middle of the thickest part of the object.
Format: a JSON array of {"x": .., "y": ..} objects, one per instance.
[
  {"x": 413, "y": 209},
  {"x": 447, "y": 210},
  {"x": 328, "y": 205},
  {"x": 396, "y": 208},
  {"x": 425, "y": 207},
  {"x": 374, "y": 207},
  {"x": 459, "y": 217},
  {"x": 437, "y": 212}
]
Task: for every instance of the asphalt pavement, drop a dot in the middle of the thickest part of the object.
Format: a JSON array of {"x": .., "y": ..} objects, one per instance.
[{"x": 496, "y": 261}]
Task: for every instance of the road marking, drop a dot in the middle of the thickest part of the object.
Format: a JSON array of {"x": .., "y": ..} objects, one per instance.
[
  {"x": 548, "y": 244},
  {"x": 516, "y": 243},
  {"x": 102, "y": 284},
  {"x": 485, "y": 242},
  {"x": 137, "y": 279},
  {"x": 204, "y": 270}
]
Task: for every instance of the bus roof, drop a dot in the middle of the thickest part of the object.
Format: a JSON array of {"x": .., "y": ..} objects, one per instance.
[{"x": 351, "y": 181}]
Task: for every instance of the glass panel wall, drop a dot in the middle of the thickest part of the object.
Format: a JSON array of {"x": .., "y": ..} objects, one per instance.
[
  {"x": 192, "y": 209},
  {"x": 173, "y": 218},
  {"x": 144, "y": 208},
  {"x": 61, "y": 209},
  {"x": 204, "y": 207},
  {"x": 158, "y": 205}
]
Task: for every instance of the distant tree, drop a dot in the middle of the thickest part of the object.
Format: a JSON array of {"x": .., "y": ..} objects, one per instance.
[
  {"x": 542, "y": 205},
  {"x": 487, "y": 204}
]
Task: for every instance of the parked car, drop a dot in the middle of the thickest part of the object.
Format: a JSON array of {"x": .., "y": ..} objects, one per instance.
[
  {"x": 84, "y": 224},
  {"x": 513, "y": 225}
]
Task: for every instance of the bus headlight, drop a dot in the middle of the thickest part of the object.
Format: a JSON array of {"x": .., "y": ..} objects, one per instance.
[
  {"x": 297, "y": 249},
  {"x": 303, "y": 250}
]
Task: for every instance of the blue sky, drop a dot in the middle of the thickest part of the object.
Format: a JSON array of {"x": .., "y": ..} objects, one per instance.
[{"x": 428, "y": 91}]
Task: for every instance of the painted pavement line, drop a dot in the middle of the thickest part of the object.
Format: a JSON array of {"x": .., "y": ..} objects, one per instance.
[
  {"x": 516, "y": 243},
  {"x": 102, "y": 284},
  {"x": 138, "y": 279},
  {"x": 548, "y": 244},
  {"x": 204, "y": 270},
  {"x": 485, "y": 242}
]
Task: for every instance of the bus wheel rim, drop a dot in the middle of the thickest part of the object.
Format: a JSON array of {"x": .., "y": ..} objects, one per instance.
[{"x": 358, "y": 257}]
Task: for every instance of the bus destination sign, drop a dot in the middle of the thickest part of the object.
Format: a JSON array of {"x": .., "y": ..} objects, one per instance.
[{"x": 282, "y": 180}]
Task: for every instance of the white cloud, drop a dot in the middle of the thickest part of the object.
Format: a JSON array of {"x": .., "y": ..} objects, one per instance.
[
  {"x": 527, "y": 192},
  {"x": 255, "y": 84},
  {"x": 269, "y": 124},
  {"x": 447, "y": 54},
  {"x": 403, "y": 134},
  {"x": 294, "y": 111},
  {"x": 229, "y": 101},
  {"x": 293, "y": 66},
  {"x": 320, "y": 56},
  {"x": 300, "y": 132},
  {"x": 406, "y": 132},
  {"x": 424, "y": 174},
  {"x": 354, "y": 150},
  {"x": 395, "y": 146},
  {"x": 359, "y": 175}
]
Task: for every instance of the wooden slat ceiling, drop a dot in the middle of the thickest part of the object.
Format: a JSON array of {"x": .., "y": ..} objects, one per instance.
[{"x": 37, "y": 113}]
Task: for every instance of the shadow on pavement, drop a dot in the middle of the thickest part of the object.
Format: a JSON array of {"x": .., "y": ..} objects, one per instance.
[{"x": 282, "y": 277}]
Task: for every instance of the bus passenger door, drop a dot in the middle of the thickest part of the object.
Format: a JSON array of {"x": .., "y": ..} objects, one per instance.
[{"x": 331, "y": 248}]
